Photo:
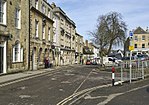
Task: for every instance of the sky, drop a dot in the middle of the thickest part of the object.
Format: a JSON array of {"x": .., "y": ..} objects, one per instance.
[{"x": 85, "y": 13}]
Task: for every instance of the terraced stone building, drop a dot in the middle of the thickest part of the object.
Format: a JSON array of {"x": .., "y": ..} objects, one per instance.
[{"x": 14, "y": 28}]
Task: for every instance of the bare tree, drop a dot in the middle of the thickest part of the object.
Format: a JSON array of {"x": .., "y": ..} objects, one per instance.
[{"x": 110, "y": 30}]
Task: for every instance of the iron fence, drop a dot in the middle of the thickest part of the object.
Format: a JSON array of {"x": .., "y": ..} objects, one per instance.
[{"x": 133, "y": 70}]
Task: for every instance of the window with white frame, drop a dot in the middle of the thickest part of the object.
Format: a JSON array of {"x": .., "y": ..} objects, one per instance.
[
  {"x": 143, "y": 37},
  {"x": 49, "y": 13},
  {"x": 43, "y": 31},
  {"x": 17, "y": 53},
  {"x": 21, "y": 53},
  {"x": 17, "y": 18},
  {"x": 43, "y": 8},
  {"x": 36, "y": 4},
  {"x": 136, "y": 38},
  {"x": 36, "y": 28},
  {"x": 2, "y": 11},
  {"x": 49, "y": 34}
]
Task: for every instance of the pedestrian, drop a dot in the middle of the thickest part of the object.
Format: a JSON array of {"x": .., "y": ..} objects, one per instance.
[
  {"x": 49, "y": 64},
  {"x": 46, "y": 61}
]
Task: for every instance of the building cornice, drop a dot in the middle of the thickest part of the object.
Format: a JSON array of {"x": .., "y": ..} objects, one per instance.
[
  {"x": 59, "y": 10},
  {"x": 40, "y": 13}
]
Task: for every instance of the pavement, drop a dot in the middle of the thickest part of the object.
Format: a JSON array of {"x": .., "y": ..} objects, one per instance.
[
  {"x": 15, "y": 76},
  {"x": 4, "y": 78}
]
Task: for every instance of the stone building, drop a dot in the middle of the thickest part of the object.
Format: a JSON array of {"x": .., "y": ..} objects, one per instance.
[
  {"x": 79, "y": 49},
  {"x": 67, "y": 30},
  {"x": 140, "y": 41},
  {"x": 14, "y": 28},
  {"x": 41, "y": 36},
  {"x": 87, "y": 51},
  {"x": 56, "y": 38}
]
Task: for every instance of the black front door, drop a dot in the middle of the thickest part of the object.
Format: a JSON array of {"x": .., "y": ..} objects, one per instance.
[{"x": 1, "y": 59}]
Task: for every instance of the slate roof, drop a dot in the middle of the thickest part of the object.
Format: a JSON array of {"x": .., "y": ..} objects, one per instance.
[{"x": 139, "y": 30}]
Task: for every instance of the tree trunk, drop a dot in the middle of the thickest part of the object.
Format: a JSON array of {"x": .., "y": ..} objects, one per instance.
[{"x": 110, "y": 47}]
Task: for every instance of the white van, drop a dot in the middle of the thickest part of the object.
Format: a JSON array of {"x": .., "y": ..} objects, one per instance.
[{"x": 109, "y": 61}]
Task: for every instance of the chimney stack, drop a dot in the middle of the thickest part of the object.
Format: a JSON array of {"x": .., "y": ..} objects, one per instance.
[{"x": 53, "y": 5}]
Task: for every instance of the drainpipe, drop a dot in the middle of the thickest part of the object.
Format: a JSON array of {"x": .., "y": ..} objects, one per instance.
[{"x": 29, "y": 39}]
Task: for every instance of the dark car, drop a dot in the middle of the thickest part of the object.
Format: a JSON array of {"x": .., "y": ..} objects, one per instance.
[{"x": 94, "y": 63}]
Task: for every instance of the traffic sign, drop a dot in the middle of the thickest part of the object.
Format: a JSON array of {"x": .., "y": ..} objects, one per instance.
[
  {"x": 130, "y": 33},
  {"x": 131, "y": 48}
]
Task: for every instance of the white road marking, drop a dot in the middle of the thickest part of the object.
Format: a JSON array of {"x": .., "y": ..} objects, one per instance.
[
  {"x": 23, "y": 88},
  {"x": 111, "y": 96},
  {"x": 83, "y": 81},
  {"x": 90, "y": 97},
  {"x": 64, "y": 101},
  {"x": 24, "y": 96},
  {"x": 65, "y": 82},
  {"x": 53, "y": 79},
  {"x": 61, "y": 90}
]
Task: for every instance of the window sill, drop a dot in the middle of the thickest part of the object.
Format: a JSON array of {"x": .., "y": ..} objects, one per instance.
[
  {"x": 18, "y": 28},
  {"x": 2, "y": 24},
  {"x": 15, "y": 62}
]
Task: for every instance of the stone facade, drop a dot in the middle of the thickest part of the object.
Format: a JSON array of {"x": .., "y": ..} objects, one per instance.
[
  {"x": 56, "y": 38},
  {"x": 32, "y": 31},
  {"x": 79, "y": 49},
  {"x": 140, "y": 41},
  {"x": 66, "y": 36},
  {"x": 88, "y": 51},
  {"x": 41, "y": 36},
  {"x": 14, "y": 35}
]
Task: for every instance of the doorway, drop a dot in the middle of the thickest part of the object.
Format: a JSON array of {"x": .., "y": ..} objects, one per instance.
[
  {"x": 1, "y": 59},
  {"x": 34, "y": 62}
]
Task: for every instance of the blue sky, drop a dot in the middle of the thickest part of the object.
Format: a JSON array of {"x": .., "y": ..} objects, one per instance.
[{"x": 85, "y": 12}]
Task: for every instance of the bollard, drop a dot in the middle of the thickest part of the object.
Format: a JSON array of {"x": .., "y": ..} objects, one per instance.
[{"x": 113, "y": 76}]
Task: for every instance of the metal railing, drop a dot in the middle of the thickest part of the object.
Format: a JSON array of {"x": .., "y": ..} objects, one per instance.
[{"x": 139, "y": 70}]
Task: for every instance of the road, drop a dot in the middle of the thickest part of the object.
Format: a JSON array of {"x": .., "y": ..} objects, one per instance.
[
  {"x": 74, "y": 85},
  {"x": 53, "y": 87},
  {"x": 136, "y": 93}
]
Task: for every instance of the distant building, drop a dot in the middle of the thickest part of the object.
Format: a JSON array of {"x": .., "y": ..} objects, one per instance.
[
  {"x": 117, "y": 54},
  {"x": 140, "y": 41},
  {"x": 88, "y": 50},
  {"x": 79, "y": 49},
  {"x": 66, "y": 34}
]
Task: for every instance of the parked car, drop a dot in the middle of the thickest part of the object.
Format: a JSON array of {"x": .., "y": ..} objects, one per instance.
[
  {"x": 94, "y": 63},
  {"x": 88, "y": 62},
  {"x": 142, "y": 56}
]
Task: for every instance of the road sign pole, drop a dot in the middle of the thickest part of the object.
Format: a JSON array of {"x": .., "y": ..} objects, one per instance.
[
  {"x": 130, "y": 74},
  {"x": 131, "y": 47}
]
